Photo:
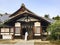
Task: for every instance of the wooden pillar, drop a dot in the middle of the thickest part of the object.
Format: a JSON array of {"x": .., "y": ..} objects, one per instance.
[
  {"x": 33, "y": 31},
  {"x": 13, "y": 33},
  {"x": 21, "y": 31},
  {"x": 9, "y": 30},
  {"x": 20, "y": 28},
  {"x": 40, "y": 29}
]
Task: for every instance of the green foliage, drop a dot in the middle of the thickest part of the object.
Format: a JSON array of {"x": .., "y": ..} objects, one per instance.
[
  {"x": 57, "y": 42},
  {"x": 57, "y": 17},
  {"x": 55, "y": 30},
  {"x": 46, "y": 16}
]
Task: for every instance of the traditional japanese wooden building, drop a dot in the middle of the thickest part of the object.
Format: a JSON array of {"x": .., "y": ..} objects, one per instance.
[{"x": 21, "y": 21}]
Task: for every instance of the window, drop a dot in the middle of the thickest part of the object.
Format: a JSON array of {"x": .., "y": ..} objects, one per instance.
[
  {"x": 37, "y": 27},
  {"x": 17, "y": 24},
  {"x": 4, "y": 29},
  {"x": 17, "y": 27},
  {"x": 11, "y": 30},
  {"x": 17, "y": 30}
]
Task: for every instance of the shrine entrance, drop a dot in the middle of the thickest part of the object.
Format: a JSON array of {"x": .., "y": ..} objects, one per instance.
[{"x": 27, "y": 27}]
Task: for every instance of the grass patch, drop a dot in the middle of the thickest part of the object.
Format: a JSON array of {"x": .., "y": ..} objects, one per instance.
[{"x": 55, "y": 42}]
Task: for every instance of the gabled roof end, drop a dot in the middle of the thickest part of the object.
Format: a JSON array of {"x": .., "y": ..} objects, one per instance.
[{"x": 23, "y": 5}]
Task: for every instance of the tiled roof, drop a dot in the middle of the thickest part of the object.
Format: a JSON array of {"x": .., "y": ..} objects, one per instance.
[{"x": 4, "y": 17}]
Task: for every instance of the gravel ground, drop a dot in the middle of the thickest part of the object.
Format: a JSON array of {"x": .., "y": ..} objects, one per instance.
[{"x": 30, "y": 42}]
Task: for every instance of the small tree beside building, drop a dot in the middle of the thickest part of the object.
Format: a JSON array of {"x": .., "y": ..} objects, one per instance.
[
  {"x": 54, "y": 30},
  {"x": 56, "y": 18}
]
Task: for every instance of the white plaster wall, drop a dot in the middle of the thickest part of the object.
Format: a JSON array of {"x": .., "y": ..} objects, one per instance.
[
  {"x": 37, "y": 34},
  {"x": 4, "y": 33},
  {"x": 7, "y": 37},
  {"x": 17, "y": 34}
]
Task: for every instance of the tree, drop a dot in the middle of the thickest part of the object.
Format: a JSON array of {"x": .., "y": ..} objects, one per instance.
[
  {"x": 46, "y": 15},
  {"x": 56, "y": 18},
  {"x": 54, "y": 29}
]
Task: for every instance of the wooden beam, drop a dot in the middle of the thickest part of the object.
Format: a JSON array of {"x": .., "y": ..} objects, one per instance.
[{"x": 33, "y": 29}]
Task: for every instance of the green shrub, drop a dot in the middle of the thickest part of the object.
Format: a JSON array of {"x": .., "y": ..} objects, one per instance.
[{"x": 54, "y": 29}]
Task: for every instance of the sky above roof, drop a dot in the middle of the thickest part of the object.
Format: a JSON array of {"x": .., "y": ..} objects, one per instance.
[{"x": 39, "y": 7}]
